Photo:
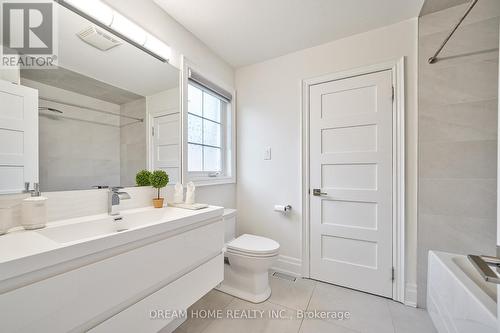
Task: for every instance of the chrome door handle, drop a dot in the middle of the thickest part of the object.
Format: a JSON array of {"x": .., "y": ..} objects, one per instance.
[{"x": 317, "y": 192}]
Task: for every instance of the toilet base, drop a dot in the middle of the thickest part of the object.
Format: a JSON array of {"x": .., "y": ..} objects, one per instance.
[
  {"x": 247, "y": 277},
  {"x": 253, "y": 298}
]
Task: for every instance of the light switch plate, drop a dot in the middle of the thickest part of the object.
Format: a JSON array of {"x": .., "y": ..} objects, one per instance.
[{"x": 267, "y": 154}]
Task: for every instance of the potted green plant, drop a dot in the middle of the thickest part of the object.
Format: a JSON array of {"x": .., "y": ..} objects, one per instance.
[
  {"x": 143, "y": 178},
  {"x": 158, "y": 179}
]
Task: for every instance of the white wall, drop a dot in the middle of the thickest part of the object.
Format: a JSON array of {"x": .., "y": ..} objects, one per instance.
[
  {"x": 269, "y": 114},
  {"x": 167, "y": 100},
  {"x": 151, "y": 17},
  {"x": 11, "y": 75}
]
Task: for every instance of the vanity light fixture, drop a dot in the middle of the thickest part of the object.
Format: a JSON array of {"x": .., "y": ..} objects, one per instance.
[
  {"x": 123, "y": 26},
  {"x": 95, "y": 9},
  {"x": 107, "y": 18}
]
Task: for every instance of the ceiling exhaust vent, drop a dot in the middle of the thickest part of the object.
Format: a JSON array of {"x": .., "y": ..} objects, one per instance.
[{"x": 99, "y": 38}]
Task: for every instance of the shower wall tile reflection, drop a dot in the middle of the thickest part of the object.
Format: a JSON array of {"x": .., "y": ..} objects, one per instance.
[
  {"x": 133, "y": 141},
  {"x": 78, "y": 149}
]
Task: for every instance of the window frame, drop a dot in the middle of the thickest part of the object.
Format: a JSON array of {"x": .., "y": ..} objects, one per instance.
[
  {"x": 227, "y": 174},
  {"x": 222, "y": 124}
]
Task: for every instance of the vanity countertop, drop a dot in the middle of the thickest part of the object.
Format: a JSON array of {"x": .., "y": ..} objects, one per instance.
[{"x": 61, "y": 242}]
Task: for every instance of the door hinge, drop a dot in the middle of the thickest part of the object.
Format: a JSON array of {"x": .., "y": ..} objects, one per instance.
[
  {"x": 393, "y": 93},
  {"x": 152, "y": 131},
  {"x": 393, "y": 274}
]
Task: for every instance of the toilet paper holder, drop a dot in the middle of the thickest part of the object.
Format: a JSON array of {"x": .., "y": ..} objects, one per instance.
[{"x": 283, "y": 209}]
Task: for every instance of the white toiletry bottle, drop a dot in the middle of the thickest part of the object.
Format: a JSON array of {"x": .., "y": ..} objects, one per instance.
[
  {"x": 178, "y": 193},
  {"x": 34, "y": 210},
  {"x": 190, "y": 193}
]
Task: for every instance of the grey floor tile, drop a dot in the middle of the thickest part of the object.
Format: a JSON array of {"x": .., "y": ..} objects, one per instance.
[
  {"x": 368, "y": 313},
  {"x": 214, "y": 300},
  {"x": 410, "y": 320},
  {"x": 321, "y": 326},
  {"x": 287, "y": 323},
  {"x": 294, "y": 295}
]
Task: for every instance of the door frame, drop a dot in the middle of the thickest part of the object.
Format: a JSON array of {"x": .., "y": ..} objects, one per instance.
[
  {"x": 397, "y": 67},
  {"x": 498, "y": 193}
]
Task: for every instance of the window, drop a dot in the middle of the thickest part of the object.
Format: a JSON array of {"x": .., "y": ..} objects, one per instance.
[
  {"x": 206, "y": 113},
  {"x": 208, "y": 147}
]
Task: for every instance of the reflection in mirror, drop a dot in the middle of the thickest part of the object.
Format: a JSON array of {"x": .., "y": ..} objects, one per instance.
[{"x": 97, "y": 107}]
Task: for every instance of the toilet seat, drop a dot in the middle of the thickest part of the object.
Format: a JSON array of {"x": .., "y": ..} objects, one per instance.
[{"x": 254, "y": 246}]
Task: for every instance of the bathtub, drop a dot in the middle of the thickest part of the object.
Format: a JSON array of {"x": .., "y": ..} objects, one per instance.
[{"x": 458, "y": 299}]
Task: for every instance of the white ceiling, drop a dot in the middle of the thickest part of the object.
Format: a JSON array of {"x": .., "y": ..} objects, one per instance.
[{"x": 248, "y": 31}]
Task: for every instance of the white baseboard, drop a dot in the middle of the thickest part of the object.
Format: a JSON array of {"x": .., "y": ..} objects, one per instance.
[
  {"x": 411, "y": 295},
  {"x": 288, "y": 265}
]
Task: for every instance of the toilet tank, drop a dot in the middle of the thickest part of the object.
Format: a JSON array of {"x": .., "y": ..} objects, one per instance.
[{"x": 229, "y": 219}]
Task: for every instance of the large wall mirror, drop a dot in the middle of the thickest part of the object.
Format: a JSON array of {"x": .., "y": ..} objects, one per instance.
[{"x": 108, "y": 111}]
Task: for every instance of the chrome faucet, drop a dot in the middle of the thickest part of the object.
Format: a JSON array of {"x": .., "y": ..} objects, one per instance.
[
  {"x": 114, "y": 197},
  {"x": 35, "y": 192}
]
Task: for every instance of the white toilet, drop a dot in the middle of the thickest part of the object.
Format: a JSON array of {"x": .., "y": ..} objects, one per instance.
[{"x": 247, "y": 262}]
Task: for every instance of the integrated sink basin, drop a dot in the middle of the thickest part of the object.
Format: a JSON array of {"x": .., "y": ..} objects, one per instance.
[
  {"x": 80, "y": 231},
  {"x": 101, "y": 227}
]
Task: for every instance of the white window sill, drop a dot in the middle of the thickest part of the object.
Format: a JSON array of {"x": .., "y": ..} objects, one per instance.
[{"x": 209, "y": 181}]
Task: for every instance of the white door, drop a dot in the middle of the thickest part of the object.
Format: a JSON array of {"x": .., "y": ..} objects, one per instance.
[
  {"x": 18, "y": 137},
  {"x": 351, "y": 165},
  {"x": 166, "y": 153}
]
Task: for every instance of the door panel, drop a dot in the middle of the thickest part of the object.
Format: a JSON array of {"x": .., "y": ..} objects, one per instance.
[
  {"x": 166, "y": 145},
  {"x": 351, "y": 140},
  {"x": 18, "y": 137},
  {"x": 349, "y": 213}
]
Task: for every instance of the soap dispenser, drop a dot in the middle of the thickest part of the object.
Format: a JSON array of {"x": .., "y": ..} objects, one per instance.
[{"x": 34, "y": 210}]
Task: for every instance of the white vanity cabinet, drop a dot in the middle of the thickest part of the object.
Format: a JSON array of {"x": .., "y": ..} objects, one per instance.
[{"x": 118, "y": 293}]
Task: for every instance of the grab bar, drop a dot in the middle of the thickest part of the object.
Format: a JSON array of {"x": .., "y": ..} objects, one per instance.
[{"x": 482, "y": 264}]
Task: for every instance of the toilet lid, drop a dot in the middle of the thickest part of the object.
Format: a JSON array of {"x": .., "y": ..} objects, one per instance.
[{"x": 252, "y": 244}]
